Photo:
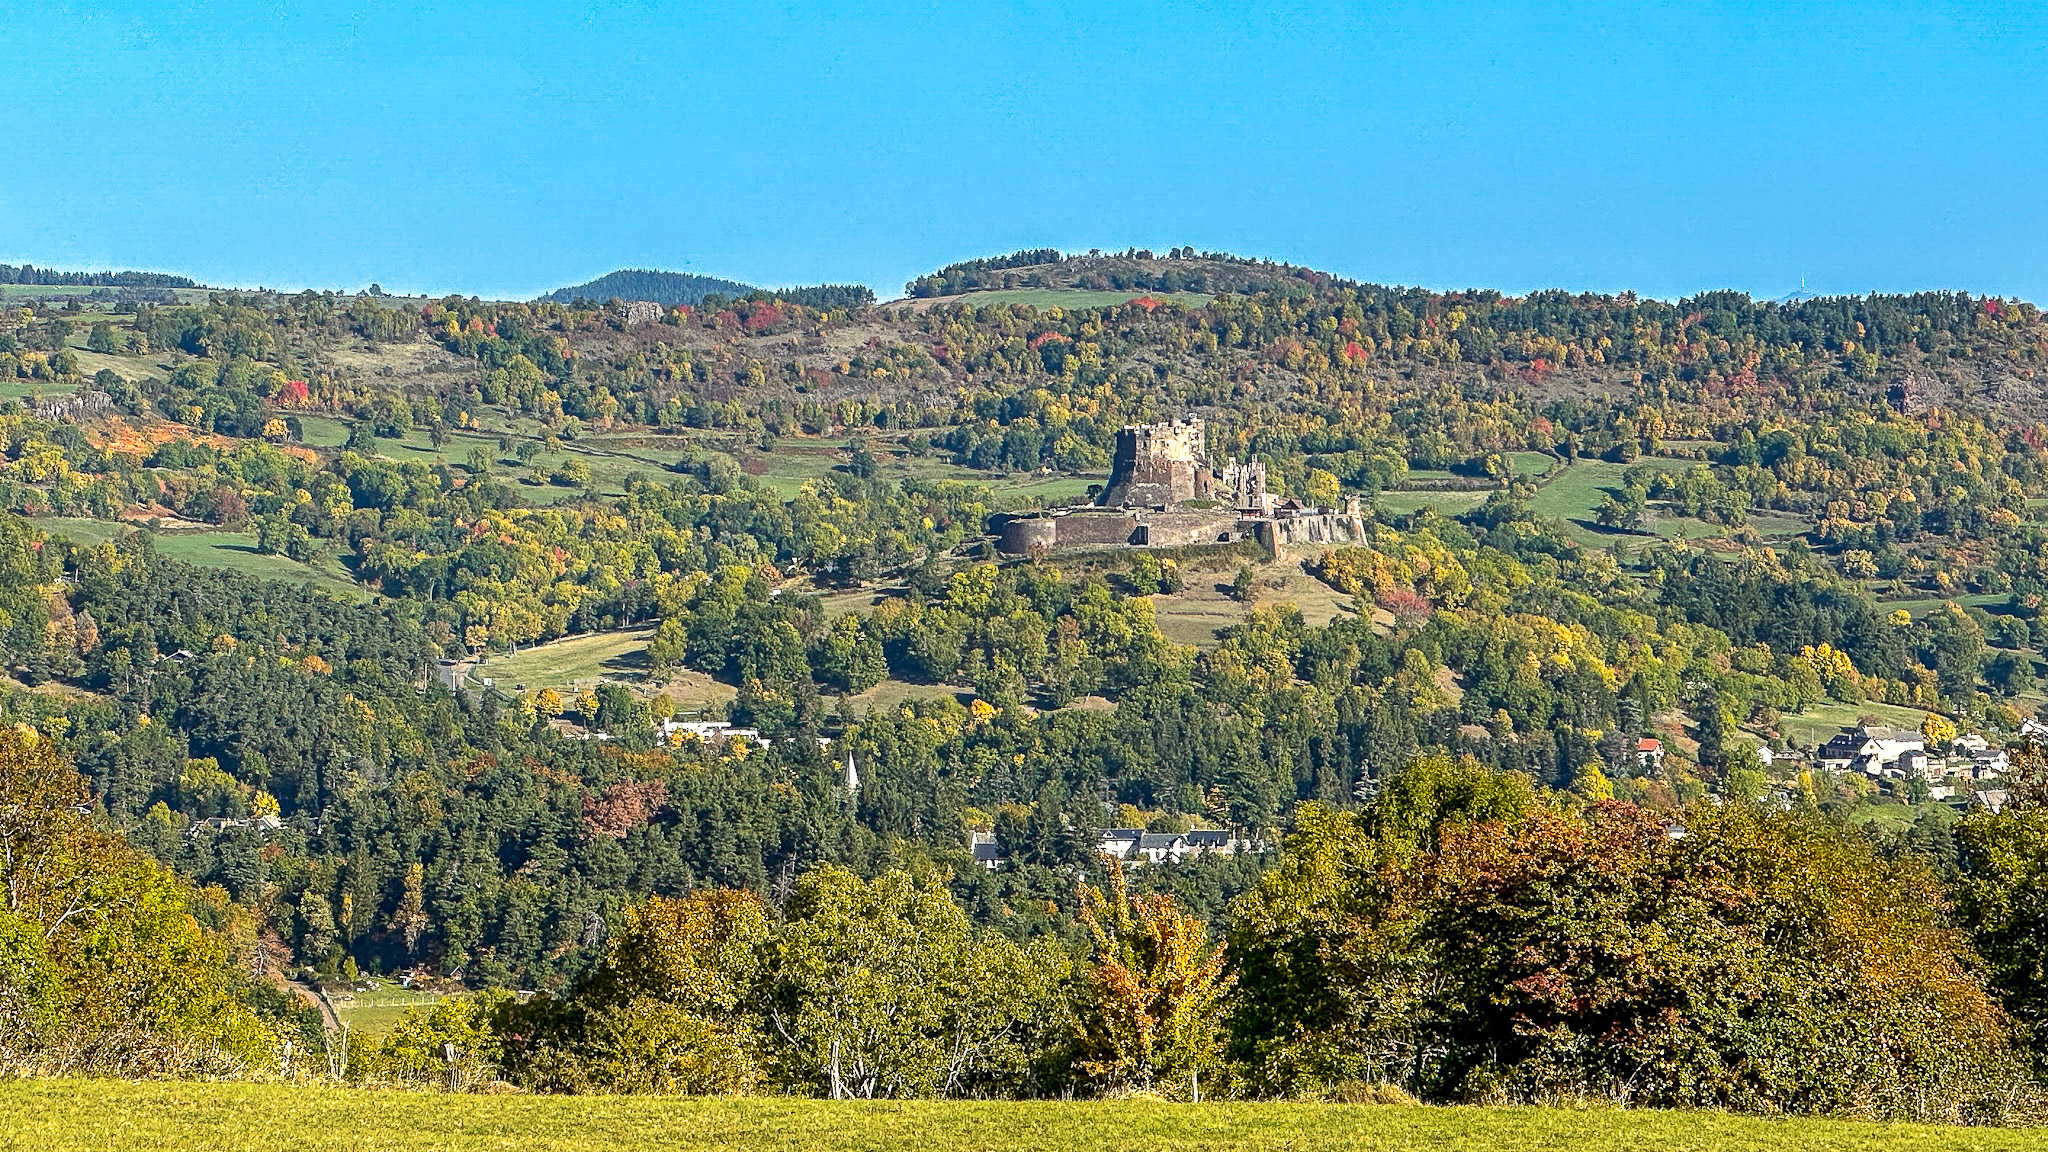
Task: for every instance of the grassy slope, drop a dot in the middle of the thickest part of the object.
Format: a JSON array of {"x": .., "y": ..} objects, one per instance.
[
  {"x": 1199, "y": 610},
  {"x": 1828, "y": 717},
  {"x": 235, "y": 550},
  {"x": 117, "y": 1116},
  {"x": 574, "y": 663}
]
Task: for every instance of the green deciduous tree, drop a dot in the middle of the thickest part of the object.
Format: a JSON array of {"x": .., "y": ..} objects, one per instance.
[{"x": 885, "y": 988}]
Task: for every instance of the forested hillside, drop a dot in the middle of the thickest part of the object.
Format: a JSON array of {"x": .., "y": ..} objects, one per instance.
[
  {"x": 670, "y": 288},
  {"x": 375, "y": 619},
  {"x": 684, "y": 290}
]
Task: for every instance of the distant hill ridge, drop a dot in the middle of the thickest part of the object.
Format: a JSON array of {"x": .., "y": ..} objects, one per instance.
[
  {"x": 1139, "y": 269},
  {"x": 665, "y": 288},
  {"x": 30, "y": 274},
  {"x": 670, "y": 289}
]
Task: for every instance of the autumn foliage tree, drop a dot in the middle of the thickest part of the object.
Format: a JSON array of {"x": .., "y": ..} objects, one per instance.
[
  {"x": 103, "y": 966},
  {"x": 1472, "y": 949},
  {"x": 1151, "y": 998},
  {"x": 2002, "y": 900}
]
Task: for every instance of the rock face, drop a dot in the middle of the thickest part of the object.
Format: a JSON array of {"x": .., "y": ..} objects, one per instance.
[{"x": 1158, "y": 465}]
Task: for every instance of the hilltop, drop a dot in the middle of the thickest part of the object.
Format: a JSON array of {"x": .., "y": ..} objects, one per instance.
[
  {"x": 668, "y": 289},
  {"x": 1139, "y": 269}
]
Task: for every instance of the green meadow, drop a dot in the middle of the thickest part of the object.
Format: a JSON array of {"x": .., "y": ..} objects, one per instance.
[{"x": 129, "y": 1116}]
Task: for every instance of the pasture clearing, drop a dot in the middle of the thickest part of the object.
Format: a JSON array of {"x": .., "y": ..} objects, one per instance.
[
  {"x": 80, "y": 530},
  {"x": 571, "y": 663},
  {"x": 1823, "y": 720},
  {"x": 146, "y": 1116},
  {"x": 896, "y": 693},
  {"x": 574, "y": 663},
  {"x": 1922, "y": 605},
  {"x": 373, "y": 1013},
  {"x": 1201, "y": 609},
  {"x": 1450, "y": 503},
  {"x": 1574, "y": 495},
  {"x": 237, "y": 550}
]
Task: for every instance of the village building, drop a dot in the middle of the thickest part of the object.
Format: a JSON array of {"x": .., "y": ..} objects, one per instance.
[
  {"x": 1990, "y": 764},
  {"x": 263, "y": 824},
  {"x": 1872, "y": 750},
  {"x": 715, "y": 732},
  {"x": 1136, "y": 846},
  {"x": 983, "y": 847}
]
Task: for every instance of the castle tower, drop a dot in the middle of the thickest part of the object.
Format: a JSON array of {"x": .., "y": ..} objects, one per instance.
[{"x": 1157, "y": 465}]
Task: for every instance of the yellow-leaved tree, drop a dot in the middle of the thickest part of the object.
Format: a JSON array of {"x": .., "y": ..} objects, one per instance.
[
  {"x": 1150, "y": 1000},
  {"x": 103, "y": 966}
]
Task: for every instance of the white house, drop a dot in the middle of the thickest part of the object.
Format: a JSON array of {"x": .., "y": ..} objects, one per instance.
[
  {"x": 1138, "y": 846},
  {"x": 1989, "y": 764},
  {"x": 1649, "y": 752},
  {"x": 1120, "y": 843},
  {"x": 986, "y": 854},
  {"x": 1872, "y": 750},
  {"x": 710, "y": 731}
]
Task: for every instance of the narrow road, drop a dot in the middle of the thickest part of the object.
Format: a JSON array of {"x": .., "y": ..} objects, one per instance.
[{"x": 327, "y": 1016}]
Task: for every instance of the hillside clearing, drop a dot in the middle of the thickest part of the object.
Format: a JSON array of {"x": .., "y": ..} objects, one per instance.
[
  {"x": 118, "y": 1116},
  {"x": 1201, "y": 609},
  {"x": 237, "y": 550},
  {"x": 574, "y": 663},
  {"x": 215, "y": 549}
]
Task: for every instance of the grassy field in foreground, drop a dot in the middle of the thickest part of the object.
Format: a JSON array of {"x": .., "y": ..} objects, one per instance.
[{"x": 117, "y": 1116}]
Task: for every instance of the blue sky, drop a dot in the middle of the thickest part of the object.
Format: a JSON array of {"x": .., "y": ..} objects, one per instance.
[{"x": 507, "y": 150}]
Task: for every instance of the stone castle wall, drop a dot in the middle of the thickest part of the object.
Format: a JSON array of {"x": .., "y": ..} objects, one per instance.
[
  {"x": 1179, "y": 529},
  {"x": 1314, "y": 528}
]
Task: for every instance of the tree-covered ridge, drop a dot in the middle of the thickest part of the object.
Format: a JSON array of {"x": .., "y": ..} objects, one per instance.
[
  {"x": 685, "y": 290},
  {"x": 30, "y": 274},
  {"x": 667, "y": 288},
  {"x": 1179, "y": 270}
]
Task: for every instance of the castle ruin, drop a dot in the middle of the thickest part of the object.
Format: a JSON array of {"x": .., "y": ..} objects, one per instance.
[
  {"x": 1164, "y": 493},
  {"x": 1157, "y": 466}
]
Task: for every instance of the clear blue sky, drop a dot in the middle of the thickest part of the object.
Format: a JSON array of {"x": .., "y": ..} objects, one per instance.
[{"x": 507, "y": 150}]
